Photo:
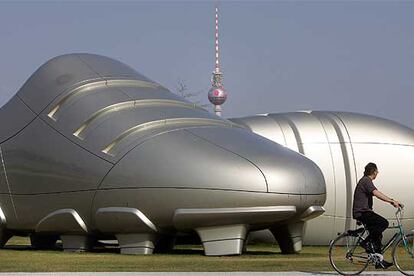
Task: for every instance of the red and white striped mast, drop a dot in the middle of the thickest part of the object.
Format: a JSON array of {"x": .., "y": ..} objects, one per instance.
[
  {"x": 217, "y": 65},
  {"x": 217, "y": 94}
]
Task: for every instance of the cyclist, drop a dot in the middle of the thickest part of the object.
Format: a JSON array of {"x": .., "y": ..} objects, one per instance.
[{"x": 362, "y": 211}]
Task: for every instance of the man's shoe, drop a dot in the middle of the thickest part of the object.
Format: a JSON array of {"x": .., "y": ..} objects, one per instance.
[{"x": 383, "y": 265}]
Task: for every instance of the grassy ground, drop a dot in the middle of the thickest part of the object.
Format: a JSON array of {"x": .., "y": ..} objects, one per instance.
[{"x": 18, "y": 256}]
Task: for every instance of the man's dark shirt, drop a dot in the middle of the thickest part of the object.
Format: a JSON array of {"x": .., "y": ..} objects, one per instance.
[{"x": 363, "y": 196}]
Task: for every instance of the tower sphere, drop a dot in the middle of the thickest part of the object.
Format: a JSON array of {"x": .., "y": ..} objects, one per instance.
[{"x": 217, "y": 95}]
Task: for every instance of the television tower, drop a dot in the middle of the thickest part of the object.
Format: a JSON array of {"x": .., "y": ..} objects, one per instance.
[{"x": 217, "y": 95}]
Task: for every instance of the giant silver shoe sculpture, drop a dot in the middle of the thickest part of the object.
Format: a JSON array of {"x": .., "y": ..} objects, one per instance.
[
  {"x": 91, "y": 149},
  {"x": 341, "y": 144}
]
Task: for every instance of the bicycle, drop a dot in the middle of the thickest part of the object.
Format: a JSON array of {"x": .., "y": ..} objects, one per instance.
[{"x": 348, "y": 257}]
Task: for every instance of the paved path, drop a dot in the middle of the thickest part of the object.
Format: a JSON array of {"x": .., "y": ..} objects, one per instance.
[{"x": 293, "y": 273}]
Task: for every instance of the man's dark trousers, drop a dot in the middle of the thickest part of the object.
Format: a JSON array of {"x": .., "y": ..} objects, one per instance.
[{"x": 375, "y": 225}]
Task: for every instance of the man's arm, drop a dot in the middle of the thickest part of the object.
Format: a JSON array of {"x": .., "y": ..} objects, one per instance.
[{"x": 385, "y": 198}]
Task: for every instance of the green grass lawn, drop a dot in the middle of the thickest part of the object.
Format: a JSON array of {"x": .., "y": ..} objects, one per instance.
[{"x": 18, "y": 256}]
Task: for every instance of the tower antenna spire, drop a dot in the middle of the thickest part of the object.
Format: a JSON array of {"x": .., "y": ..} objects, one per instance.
[
  {"x": 217, "y": 95},
  {"x": 217, "y": 65}
]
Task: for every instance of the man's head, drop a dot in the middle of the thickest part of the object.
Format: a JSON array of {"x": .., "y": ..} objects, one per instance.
[{"x": 371, "y": 170}]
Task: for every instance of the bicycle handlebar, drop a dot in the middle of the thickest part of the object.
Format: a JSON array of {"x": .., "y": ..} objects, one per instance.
[{"x": 399, "y": 209}]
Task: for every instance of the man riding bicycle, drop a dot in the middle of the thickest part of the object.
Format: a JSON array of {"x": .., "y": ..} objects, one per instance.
[{"x": 362, "y": 211}]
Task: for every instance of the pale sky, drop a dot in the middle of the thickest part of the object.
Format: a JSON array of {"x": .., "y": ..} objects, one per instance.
[{"x": 276, "y": 56}]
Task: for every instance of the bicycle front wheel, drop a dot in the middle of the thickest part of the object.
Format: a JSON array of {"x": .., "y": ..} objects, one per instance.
[
  {"x": 403, "y": 254},
  {"x": 346, "y": 256}
]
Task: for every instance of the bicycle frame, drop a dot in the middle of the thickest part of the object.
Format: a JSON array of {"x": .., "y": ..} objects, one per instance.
[
  {"x": 398, "y": 234},
  {"x": 393, "y": 239},
  {"x": 360, "y": 238}
]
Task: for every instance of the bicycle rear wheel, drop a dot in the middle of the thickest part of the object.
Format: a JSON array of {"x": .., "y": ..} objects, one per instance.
[
  {"x": 346, "y": 256},
  {"x": 403, "y": 255}
]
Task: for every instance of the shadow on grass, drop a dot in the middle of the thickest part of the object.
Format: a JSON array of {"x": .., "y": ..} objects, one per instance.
[
  {"x": 58, "y": 248},
  {"x": 116, "y": 250},
  {"x": 319, "y": 273},
  {"x": 261, "y": 253},
  {"x": 19, "y": 247},
  {"x": 254, "y": 250},
  {"x": 185, "y": 252}
]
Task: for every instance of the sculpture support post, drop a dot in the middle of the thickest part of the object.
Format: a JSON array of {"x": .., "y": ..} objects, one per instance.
[
  {"x": 289, "y": 237},
  {"x": 223, "y": 240}
]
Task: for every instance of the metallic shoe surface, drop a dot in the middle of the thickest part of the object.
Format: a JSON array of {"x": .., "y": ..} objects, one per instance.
[
  {"x": 284, "y": 170},
  {"x": 89, "y": 144}
]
